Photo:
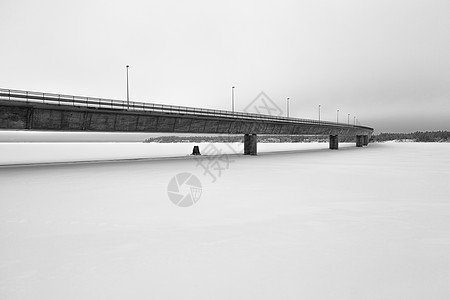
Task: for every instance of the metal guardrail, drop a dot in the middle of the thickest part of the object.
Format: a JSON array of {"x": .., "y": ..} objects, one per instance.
[{"x": 100, "y": 103}]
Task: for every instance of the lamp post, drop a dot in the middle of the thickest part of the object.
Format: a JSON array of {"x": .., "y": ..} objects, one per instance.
[
  {"x": 354, "y": 120},
  {"x": 319, "y": 113},
  {"x": 348, "y": 119},
  {"x": 287, "y": 107},
  {"x": 232, "y": 98},
  {"x": 128, "y": 91},
  {"x": 337, "y": 117}
]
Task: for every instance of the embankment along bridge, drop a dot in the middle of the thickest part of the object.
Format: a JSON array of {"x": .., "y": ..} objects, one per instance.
[{"x": 26, "y": 110}]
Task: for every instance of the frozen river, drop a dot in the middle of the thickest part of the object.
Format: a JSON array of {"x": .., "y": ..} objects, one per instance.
[{"x": 308, "y": 223}]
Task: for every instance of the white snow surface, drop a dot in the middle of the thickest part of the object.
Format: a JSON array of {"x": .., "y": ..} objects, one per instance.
[
  {"x": 310, "y": 223},
  {"x": 38, "y": 153}
]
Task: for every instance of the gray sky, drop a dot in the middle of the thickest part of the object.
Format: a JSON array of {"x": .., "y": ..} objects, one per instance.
[{"x": 387, "y": 62}]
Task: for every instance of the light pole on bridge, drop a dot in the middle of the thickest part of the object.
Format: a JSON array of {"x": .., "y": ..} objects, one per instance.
[
  {"x": 128, "y": 91},
  {"x": 337, "y": 117},
  {"x": 348, "y": 119},
  {"x": 354, "y": 120},
  {"x": 319, "y": 113},
  {"x": 232, "y": 98},
  {"x": 287, "y": 107}
]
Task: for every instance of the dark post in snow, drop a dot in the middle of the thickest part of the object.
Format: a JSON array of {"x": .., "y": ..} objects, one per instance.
[{"x": 196, "y": 151}]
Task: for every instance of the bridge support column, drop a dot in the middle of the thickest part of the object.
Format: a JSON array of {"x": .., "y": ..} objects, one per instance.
[
  {"x": 359, "y": 140},
  {"x": 250, "y": 142},
  {"x": 334, "y": 142},
  {"x": 365, "y": 140}
]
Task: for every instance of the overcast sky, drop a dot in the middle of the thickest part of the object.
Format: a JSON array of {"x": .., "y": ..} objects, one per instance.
[{"x": 387, "y": 62}]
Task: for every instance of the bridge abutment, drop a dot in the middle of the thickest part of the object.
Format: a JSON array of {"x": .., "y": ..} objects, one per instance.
[
  {"x": 334, "y": 142},
  {"x": 250, "y": 144}
]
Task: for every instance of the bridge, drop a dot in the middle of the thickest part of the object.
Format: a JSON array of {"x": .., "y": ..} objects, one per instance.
[{"x": 26, "y": 110}]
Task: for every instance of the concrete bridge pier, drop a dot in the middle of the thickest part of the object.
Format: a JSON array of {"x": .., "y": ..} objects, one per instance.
[
  {"x": 250, "y": 142},
  {"x": 365, "y": 140},
  {"x": 359, "y": 140},
  {"x": 334, "y": 142}
]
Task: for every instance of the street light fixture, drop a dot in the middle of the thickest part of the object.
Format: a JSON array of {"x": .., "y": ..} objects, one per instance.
[
  {"x": 319, "y": 113},
  {"x": 337, "y": 117},
  {"x": 354, "y": 120},
  {"x": 287, "y": 106},
  {"x": 348, "y": 119},
  {"x": 232, "y": 98},
  {"x": 128, "y": 91}
]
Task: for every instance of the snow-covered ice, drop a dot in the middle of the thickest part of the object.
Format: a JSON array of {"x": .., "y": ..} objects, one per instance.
[
  {"x": 33, "y": 153},
  {"x": 311, "y": 223}
]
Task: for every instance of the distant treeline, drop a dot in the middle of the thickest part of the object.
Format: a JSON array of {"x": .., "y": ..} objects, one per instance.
[
  {"x": 428, "y": 136},
  {"x": 240, "y": 139},
  {"x": 418, "y": 136},
  {"x": 195, "y": 139}
]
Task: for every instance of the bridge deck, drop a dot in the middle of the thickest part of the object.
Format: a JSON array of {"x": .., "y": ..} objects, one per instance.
[{"x": 35, "y": 110}]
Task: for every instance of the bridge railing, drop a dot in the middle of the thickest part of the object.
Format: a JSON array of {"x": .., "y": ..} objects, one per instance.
[{"x": 100, "y": 103}]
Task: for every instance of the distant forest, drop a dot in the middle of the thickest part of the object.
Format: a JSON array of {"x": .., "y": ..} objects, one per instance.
[
  {"x": 418, "y": 136},
  {"x": 427, "y": 136},
  {"x": 236, "y": 139}
]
